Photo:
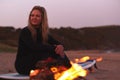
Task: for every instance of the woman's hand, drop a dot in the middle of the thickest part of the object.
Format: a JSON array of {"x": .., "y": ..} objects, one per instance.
[{"x": 59, "y": 50}]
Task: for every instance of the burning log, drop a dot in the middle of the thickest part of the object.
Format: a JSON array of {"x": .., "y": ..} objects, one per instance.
[
  {"x": 55, "y": 70},
  {"x": 45, "y": 74},
  {"x": 46, "y": 70}
]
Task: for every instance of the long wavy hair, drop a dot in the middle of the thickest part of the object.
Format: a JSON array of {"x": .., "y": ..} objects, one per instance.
[{"x": 43, "y": 26}]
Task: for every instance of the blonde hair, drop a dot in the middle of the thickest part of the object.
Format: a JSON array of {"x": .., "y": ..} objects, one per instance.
[{"x": 44, "y": 24}]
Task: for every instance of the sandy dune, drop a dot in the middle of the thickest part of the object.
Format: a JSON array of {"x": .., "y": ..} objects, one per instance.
[{"x": 108, "y": 68}]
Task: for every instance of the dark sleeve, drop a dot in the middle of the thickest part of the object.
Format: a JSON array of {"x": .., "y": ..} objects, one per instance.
[
  {"x": 53, "y": 41},
  {"x": 65, "y": 60},
  {"x": 26, "y": 40}
]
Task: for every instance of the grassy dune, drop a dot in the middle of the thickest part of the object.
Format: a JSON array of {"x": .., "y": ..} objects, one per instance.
[{"x": 7, "y": 48}]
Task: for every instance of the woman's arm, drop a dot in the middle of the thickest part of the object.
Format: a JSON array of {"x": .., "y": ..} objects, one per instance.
[{"x": 59, "y": 49}]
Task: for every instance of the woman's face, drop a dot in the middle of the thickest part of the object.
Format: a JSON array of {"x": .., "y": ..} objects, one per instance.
[{"x": 35, "y": 18}]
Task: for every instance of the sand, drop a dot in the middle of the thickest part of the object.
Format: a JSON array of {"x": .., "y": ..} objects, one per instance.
[{"x": 108, "y": 68}]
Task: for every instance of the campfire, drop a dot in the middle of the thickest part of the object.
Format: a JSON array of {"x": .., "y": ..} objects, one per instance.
[{"x": 56, "y": 71}]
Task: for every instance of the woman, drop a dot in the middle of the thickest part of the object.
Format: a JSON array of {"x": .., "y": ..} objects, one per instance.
[{"x": 35, "y": 43}]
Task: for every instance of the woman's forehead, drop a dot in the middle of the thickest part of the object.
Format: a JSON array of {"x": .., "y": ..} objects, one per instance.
[{"x": 36, "y": 12}]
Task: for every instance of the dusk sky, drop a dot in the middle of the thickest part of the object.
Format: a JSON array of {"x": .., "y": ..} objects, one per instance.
[{"x": 74, "y": 13}]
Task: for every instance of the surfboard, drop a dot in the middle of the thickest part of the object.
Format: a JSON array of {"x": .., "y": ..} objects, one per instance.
[
  {"x": 87, "y": 64},
  {"x": 14, "y": 76},
  {"x": 17, "y": 76}
]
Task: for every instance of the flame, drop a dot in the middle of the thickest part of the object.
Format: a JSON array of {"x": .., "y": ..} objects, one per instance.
[
  {"x": 70, "y": 74},
  {"x": 54, "y": 69},
  {"x": 76, "y": 60},
  {"x": 57, "y": 71},
  {"x": 83, "y": 59},
  {"x": 99, "y": 59},
  {"x": 34, "y": 72}
]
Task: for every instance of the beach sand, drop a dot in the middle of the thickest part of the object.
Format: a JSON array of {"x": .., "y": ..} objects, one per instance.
[{"x": 108, "y": 68}]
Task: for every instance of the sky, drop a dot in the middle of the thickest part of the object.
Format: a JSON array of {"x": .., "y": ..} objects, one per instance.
[{"x": 62, "y": 13}]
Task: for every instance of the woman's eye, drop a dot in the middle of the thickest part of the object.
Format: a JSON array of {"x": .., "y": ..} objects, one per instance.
[
  {"x": 32, "y": 15},
  {"x": 35, "y": 15}
]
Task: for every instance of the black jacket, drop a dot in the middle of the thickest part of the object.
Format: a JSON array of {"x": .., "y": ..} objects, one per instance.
[{"x": 30, "y": 52}]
